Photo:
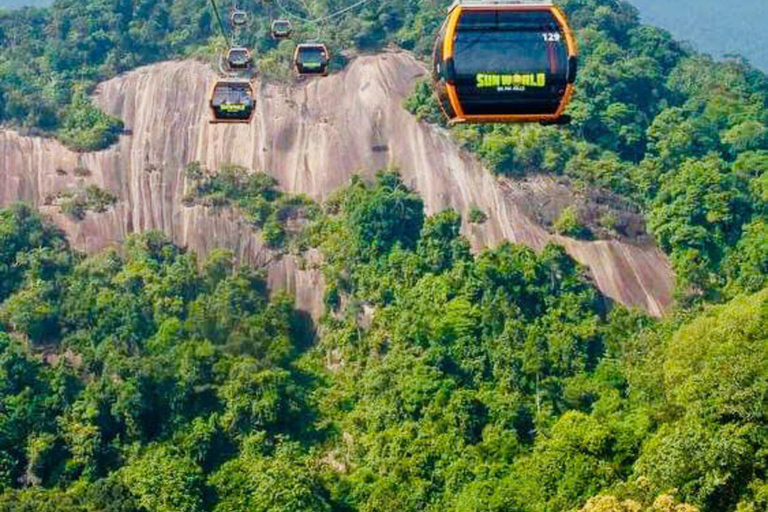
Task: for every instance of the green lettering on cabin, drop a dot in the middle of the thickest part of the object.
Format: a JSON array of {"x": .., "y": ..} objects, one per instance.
[
  {"x": 496, "y": 80},
  {"x": 232, "y": 107}
]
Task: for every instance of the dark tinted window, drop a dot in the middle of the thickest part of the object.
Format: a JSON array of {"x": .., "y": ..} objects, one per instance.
[
  {"x": 231, "y": 93},
  {"x": 311, "y": 56},
  {"x": 510, "y": 62},
  {"x": 281, "y": 26}
]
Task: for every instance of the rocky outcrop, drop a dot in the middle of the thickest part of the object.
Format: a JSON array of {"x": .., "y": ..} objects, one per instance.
[{"x": 312, "y": 136}]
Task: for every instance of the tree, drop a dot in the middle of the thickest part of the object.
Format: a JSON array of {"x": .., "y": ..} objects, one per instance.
[
  {"x": 163, "y": 481},
  {"x": 664, "y": 503},
  {"x": 85, "y": 128},
  {"x": 747, "y": 264},
  {"x": 281, "y": 482},
  {"x": 386, "y": 214},
  {"x": 714, "y": 374},
  {"x": 698, "y": 209},
  {"x": 568, "y": 223},
  {"x": 32, "y": 312},
  {"x": 21, "y": 231}
]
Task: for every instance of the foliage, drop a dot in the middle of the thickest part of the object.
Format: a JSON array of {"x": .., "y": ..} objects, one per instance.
[
  {"x": 279, "y": 216},
  {"x": 78, "y": 203},
  {"x": 242, "y": 483},
  {"x": 85, "y": 128},
  {"x": 664, "y": 503},
  {"x": 423, "y": 103},
  {"x": 715, "y": 379},
  {"x": 155, "y": 371},
  {"x": 569, "y": 223},
  {"x": 442, "y": 380},
  {"x": 28, "y": 245},
  {"x": 165, "y": 482},
  {"x": 477, "y": 216}
]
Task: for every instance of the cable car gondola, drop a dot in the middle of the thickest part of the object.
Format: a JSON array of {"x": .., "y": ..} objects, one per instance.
[
  {"x": 311, "y": 59},
  {"x": 239, "y": 59},
  {"x": 238, "y": 18},
  {"x": 232, "y": 101},
  {"x": 281, "y": 29},
  {"x": 505, "y": 61}
]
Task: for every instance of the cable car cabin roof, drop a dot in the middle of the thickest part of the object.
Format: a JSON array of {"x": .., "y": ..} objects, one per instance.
[
  {"x": 239, "y": 18},
  {"x": 512, "y": 4},
  {"x": 232, "y": 101},
  {"x": 311, "y": 59},
  {"x": 505, "y": 62}
]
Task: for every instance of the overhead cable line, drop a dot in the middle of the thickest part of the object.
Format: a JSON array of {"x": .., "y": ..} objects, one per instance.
[
  {"x": 221, "y": 24},
  {"x": 321, "y": 18}
]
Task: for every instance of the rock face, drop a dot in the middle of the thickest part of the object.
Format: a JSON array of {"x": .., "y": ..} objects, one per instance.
[{"x": 312, "y": 136}]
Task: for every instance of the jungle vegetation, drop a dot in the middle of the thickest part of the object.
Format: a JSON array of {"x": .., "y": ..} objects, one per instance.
[{"x": 145, "y": 380}]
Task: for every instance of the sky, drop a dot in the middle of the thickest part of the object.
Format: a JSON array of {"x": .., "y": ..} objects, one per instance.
[{"x": 21, "y": 3}]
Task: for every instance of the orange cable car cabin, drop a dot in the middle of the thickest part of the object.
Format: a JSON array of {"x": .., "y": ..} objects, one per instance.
[{"x": 506, "y": 61}]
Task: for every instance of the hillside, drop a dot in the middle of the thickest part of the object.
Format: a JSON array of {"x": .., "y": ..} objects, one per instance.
[{"x": 312, "y": 138}]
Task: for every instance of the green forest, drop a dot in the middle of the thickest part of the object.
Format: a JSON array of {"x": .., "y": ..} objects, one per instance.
[{"x": 147, "y": 380}]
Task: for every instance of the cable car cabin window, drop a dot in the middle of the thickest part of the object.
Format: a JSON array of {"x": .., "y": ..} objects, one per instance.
[
  {"x": 510, "y": 63},
  {"x": 312, "y": 60},
  {"x": 232, "y": 101}
]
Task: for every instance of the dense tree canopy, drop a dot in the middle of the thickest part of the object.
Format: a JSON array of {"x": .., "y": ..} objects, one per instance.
[{"x": 440, "y": 380}]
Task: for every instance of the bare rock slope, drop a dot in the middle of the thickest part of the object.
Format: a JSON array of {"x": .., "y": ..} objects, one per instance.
[{"x": 312, "y": 137}]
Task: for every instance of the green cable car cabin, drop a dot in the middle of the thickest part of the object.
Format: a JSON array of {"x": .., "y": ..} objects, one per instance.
[
  {"x": 238, "y": 18},
  {"x": 312, "y": 59},
  {"x": 232, "y": 101},
  {"x": 506, "y": 61}
]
